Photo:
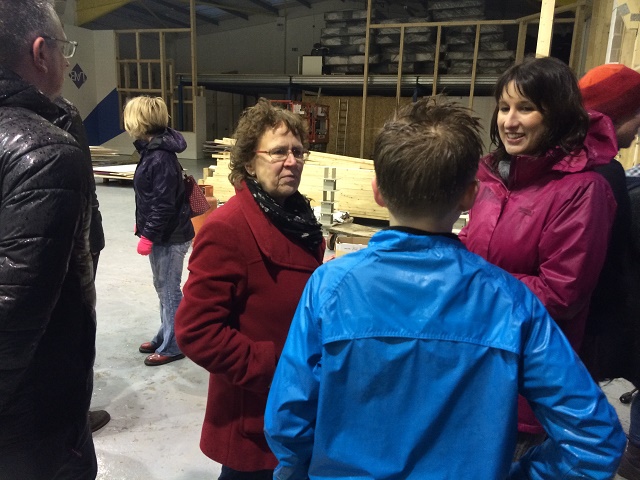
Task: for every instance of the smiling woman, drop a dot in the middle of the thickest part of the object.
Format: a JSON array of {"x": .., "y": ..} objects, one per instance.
[
  {"x": 520, "y": 123},
  {"x": 542, "y": 213}
]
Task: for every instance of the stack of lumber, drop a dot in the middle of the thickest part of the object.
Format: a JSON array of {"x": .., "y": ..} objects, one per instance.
[
  {"x": 419, "y": 48},
  {"x": 344, "y": 36},
  {"x": 97, "y": 151},
  {"x": 494, "y": 54},
  {"x": 353, "y": 182},
  {"x": 211, "y": 147}
]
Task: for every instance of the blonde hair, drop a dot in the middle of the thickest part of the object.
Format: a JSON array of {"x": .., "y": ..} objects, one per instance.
[{"x": 144, "y": 116}]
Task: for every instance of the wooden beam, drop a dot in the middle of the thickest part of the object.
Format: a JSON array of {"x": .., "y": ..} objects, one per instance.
[
  {"x": 194, "y": 64},
  {"x": 90, "y": 10},
  {"x": 304, "y": 3},
  {"x": 185, "y": 11},
  {"x": 599, "y": 33},
  {"x": 147, "y": 12},
  {"x": 365, "y": 76},
  {"x": 577, "y": 39},
  {"x": 545, "y": 29},
  {"x": 266, "y": 6},
  {"x": 236, "y": 12}
]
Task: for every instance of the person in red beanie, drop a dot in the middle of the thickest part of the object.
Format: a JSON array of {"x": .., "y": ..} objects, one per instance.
[
  {"x": 614, "y": 89},
  {"x": 608, "y": 349}
]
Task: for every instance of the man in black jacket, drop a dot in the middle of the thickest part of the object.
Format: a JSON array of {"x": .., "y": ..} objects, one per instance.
[
  {"x": 47, "y": 311},
  {"x": 72, "y": 123}
]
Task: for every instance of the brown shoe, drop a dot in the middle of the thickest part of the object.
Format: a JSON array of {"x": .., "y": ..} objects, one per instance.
[
  {"x": 630, "y": 464},
  {"x": 98, "y": 419},
  {"x": 156, "y": 359},
  {"x": 147, "y": 347}
]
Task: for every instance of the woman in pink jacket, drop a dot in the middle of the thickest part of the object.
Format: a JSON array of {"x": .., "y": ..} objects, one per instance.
[
  {"x": 541, "y": 212},
  {"x": 250, "y": 263}
]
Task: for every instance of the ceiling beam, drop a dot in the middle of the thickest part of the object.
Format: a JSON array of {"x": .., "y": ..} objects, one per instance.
[
  {"x": 185, "y": 11},
  {"x": 89, "y": 10},
  {"x": 225, "y": 8},
  {"x": 166, "y": 21},
  {"x": 304, "y": 3},
  {"x": 267, "y": 6}
]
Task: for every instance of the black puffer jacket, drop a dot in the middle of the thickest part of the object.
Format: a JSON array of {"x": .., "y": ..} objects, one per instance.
[
  {"x": 162, "y": 212},
  {"x": 72, "y": 123},
  {"x": 47, "y": 317}
]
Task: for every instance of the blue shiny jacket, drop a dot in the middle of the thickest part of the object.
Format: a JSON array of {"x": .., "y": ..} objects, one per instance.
[{"x": 404, "y": 361}]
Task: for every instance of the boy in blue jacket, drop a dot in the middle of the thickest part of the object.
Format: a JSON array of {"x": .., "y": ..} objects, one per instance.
[{"x": 404, "y": 360}]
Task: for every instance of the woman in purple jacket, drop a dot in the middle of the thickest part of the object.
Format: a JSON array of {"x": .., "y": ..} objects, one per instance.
[
  {"x": 163, "y": 216},
  {"x": 542, "y": 213}
]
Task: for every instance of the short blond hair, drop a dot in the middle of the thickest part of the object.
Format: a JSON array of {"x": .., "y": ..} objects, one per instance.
[{"x": 144, "y": 116}]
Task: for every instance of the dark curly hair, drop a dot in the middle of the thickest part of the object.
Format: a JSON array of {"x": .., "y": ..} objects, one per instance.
[
  {"x": 553, "y": 88},
  {"x": 254, "y": 122}
]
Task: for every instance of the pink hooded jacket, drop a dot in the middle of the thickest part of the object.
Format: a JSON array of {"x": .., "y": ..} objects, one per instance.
[{"x": 549, "y": 226}]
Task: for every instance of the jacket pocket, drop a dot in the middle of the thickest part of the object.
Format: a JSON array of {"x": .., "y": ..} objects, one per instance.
[{"x": 253, "y": 406}]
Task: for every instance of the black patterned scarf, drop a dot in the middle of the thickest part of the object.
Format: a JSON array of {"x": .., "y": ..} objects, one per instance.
[{"x": 295, "y": 218}]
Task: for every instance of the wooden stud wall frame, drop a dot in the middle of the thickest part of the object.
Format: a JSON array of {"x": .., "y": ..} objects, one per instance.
[{"x": 579, "y": 9}]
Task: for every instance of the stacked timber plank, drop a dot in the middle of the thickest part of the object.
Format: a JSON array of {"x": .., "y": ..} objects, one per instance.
[
  {"x": 98, "y": 151},
  {"x": 108, "y": 164},
  {"x": 344, "y": 40},
  {"x": 419, "y": 47},
  {"x": 344, "y": 36},
  {"x": 211, "y": 147},
  {"x": 353, "y": 182},
  {"x": 494, "y": 55}
]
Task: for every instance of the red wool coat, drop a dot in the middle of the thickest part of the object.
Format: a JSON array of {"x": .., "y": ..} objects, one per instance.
[
  {"x": 245, "y": 281},
  {"x": 549, "y": 228}
]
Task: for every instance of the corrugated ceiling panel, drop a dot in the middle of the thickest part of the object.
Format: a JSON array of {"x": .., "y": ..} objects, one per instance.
[{"x": 89, "y": 10}]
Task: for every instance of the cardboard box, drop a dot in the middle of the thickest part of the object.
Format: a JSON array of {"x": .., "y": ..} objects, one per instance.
[
  {"x": 346, "y": 245},
  {"x": 310, "y": 65}
]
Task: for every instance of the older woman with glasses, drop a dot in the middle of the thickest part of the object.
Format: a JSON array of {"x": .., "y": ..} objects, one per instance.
[{"x": 250, "y": 263}]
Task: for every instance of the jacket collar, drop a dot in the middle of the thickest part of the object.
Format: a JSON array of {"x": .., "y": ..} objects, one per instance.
[
  {"x": 271, "y": 242},
  {"x": 170, "y": 140},
  {"x": 18, "y": 93}
]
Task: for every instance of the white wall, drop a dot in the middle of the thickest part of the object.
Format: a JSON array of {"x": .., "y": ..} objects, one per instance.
[{"x": 94, "y": 70}]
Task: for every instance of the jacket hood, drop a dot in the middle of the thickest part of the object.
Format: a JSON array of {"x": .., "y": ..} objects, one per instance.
[
  {"x": 18, "y": 93},
  {"x": 601, "y": 143},
  {"x": 600, "y": 147},
  {"x": 169, "y": 140}
]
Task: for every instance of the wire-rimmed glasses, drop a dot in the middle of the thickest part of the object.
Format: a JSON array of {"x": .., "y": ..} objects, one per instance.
[
  {"x": 68, "y": 46},
  {"x": 280, "y": 154}
]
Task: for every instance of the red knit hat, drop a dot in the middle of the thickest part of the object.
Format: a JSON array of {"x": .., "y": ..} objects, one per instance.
[{"x": 612, "y": 89}]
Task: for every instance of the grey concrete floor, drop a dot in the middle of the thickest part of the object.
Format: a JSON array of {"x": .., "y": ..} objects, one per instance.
[{"x": 156, "y": 412}]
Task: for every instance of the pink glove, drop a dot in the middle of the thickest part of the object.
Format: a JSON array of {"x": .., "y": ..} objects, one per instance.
[{"x": 144, "y": 246}]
